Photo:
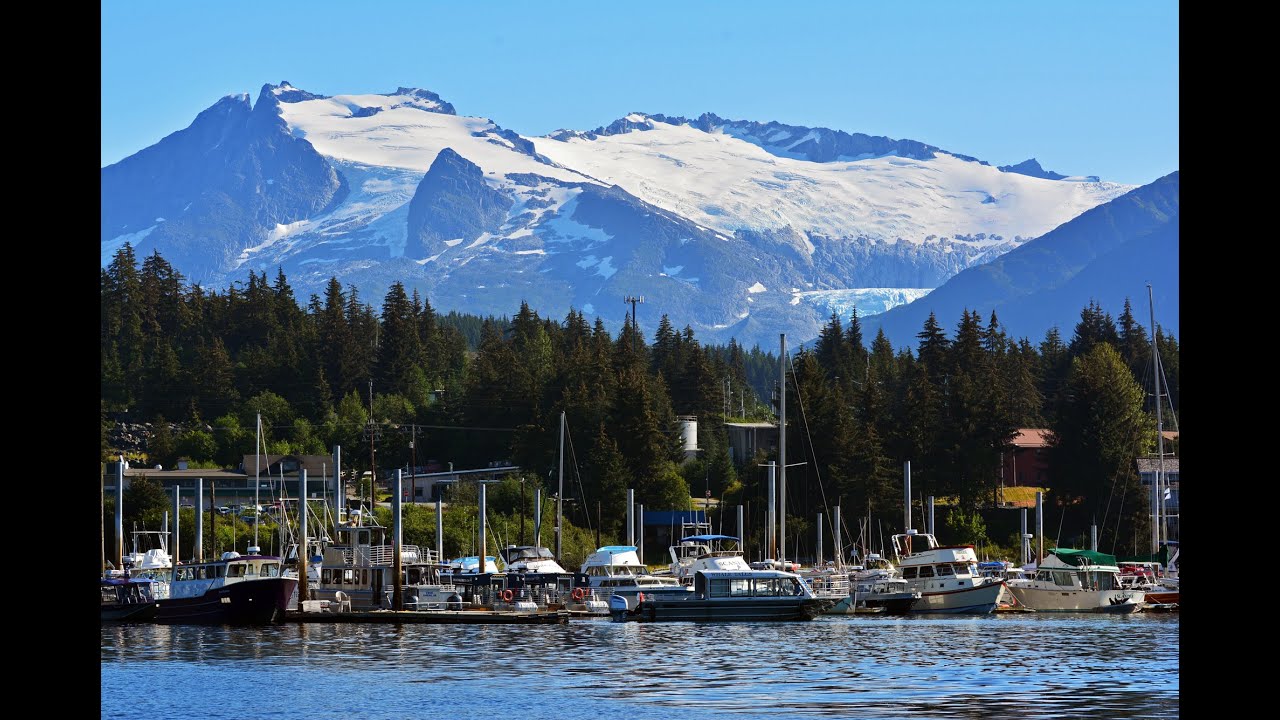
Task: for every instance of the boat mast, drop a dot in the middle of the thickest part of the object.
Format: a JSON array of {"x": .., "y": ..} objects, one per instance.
[
  {"x": 1159, "y": 532},
  {"x": 303, "y": 590},
  {"x": 120, "y": 514},
  {"x": 257, "y": 469},
  {"x": 559, "y": 495},
  {"x": 782, "y": 450}
]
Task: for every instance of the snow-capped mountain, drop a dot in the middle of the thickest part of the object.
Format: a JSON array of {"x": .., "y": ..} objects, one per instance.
[
  {"x": 1105, "y": 255},
  {"x": 735, "y": 228}
]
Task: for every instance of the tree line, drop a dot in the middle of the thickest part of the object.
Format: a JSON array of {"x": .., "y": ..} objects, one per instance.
[{"x": 478, "y": 390}]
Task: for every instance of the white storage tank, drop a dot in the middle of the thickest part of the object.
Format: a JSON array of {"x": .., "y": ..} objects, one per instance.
[{"x": 688, "y": 425}]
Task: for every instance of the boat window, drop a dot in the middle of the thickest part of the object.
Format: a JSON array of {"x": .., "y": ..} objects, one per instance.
[
  {"x": 325, "y": 576},
  {"x": 740, "y": 587},
  {"x": 926, "y": 571},
  {"x": 719, "y": 588},
  {"x": 219, "y": 570},
  {"x": 364, "y": 577},
  {"x": 237, "y": 570},
  {"x": 1063, "y": 579},
  {"x": 270, "y": 569},
  {"x": 945, "y": 571},
  {"x": 909, "y": 573}
]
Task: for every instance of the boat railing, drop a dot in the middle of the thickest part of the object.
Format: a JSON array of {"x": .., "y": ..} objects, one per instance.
[
  {"x": 385, "y": 555},
  {"x": 827, "y": 585}
]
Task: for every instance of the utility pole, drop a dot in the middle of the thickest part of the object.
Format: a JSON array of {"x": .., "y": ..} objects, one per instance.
[
  {"x": 633, "y": 299},
  {"x": 413, "y": 463}
]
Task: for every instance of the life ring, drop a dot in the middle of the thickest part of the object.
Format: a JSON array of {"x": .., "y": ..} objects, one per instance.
[
  {"x": 639, "y": 598},
  {"x": 507, "y": 595},
  {"x": 578, "y": 594}
]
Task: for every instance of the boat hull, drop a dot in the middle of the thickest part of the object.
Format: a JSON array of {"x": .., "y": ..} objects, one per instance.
[
  {"x": 893, "y": 603},
  {"x": 1053, "y": 598},
  {"x": 257, "y": 602},
  {"x": 737, "y": 610},
  {"x": 132, "y": 612},
  {"x": 977, "y": 600}
]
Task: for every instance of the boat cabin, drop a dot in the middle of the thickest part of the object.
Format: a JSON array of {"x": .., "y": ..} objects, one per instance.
[
  {"x": 126, "y": 591},
  {"x": 940, "y": 570},
  {"x": 711, "y": 584}
]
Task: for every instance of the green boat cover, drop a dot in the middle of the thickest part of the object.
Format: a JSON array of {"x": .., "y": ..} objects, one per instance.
[{"x": 1080, "y": 558}]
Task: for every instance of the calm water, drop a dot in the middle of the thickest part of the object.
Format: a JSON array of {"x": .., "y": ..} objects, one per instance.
[{"x": 1024, "y": 666}]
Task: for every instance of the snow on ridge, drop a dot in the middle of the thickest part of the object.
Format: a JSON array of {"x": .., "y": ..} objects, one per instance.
[
  {"x": 869, "y": 301},
  {"x": 406, "y": 137},
  {"x": 728, "y": 184},
  {"x": 112, "y": 246},
  {"x": 757, "y": 288},
  {"x": 563, "y": 228}
]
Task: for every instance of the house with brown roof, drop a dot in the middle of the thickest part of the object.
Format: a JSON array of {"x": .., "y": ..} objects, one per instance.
[{"x": 1027, "y": 463}]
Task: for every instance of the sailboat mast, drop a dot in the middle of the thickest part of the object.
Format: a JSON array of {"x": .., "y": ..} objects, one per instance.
[
  {"x": 560, "y": 494},
  {"x": 782, "y": 450},
  {"x": 257, "y": 468},
  {"x": 1159, "y": 532}
]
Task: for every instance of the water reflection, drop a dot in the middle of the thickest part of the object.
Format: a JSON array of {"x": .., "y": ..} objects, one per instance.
[{"x": 1028, "y": 666}]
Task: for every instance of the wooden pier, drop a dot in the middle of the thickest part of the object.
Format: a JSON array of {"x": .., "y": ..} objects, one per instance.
[{"x": 458, "y": 617}]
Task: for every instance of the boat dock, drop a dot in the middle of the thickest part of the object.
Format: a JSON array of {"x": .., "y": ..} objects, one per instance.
[{"x": 460, "y": 617}]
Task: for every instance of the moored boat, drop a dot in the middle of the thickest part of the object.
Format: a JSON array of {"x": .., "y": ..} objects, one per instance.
[
  {"x": 726, "y": 588},
  {"x": 946, "y": 576},
  {"x": 236, "y": 589},
  {"x": 615, "y": 570},
  {"x": 1077, "y": 581}
]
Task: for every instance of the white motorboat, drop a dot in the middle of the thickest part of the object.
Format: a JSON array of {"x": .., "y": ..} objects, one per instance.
[
  {"x": 946, "y": 576},
  {"x": 1077, "y": 581},
  {"x": 617, "y": 570}
]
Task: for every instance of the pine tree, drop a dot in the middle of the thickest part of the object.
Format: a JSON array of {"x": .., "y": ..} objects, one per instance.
[
  {"x": 399, "y": 351},
  {"x": 933, "y": 349},
  {"x": 1095, "y": 327},
  {"x": 1097, "y": 438},
  {"x": 1135, "y": 344}
]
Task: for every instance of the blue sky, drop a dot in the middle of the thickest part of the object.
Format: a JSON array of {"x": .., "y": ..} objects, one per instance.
[{"x": 1085, "y": 87}]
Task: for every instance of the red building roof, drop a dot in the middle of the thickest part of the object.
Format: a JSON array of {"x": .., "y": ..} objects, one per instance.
[{"x": 1032, "y": 438}]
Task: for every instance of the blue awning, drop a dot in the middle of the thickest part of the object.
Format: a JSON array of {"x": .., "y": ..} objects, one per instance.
[
  {"x": 706, "y": 538},
  {"x": 673, "y": 518}
]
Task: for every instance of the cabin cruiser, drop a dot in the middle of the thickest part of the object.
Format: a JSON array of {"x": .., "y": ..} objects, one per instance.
[
  {"x": 725, "y": 588},
  {"x": 535, "y": 580},
  {"x": 236, "y": 589},
  {"x": 1077, "y": 581},
  {"x": 946, "y": 576},
  {"x": 616, "y": 570}
]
